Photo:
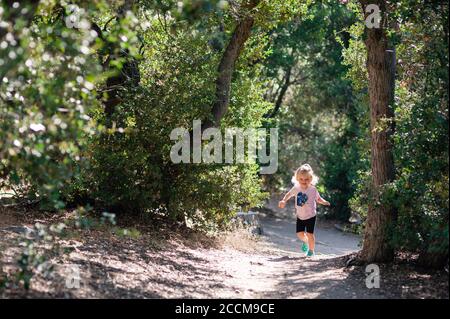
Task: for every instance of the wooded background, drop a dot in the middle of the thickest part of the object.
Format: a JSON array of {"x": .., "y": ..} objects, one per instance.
[{"x": 89, "y": 96}]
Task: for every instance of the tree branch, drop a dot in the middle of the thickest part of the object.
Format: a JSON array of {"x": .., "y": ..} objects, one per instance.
[
  {"x": 227, "y": 64},
  {"x": 283, "y": 90}
]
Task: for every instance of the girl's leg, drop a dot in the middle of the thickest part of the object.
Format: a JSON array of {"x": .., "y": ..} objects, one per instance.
[
  {"x": 301, "y": 230},
  {"x": 311, "y": 241},
  {"x": 311, "y": 223},
  {"x": 302, "y": 236}
]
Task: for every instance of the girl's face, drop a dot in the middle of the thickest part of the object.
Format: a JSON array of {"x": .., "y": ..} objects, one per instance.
[{"x": 304, "y": 180}]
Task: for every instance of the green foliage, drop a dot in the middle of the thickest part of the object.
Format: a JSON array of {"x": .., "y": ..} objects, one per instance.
[
  {"x": 354, "y": 56},
  {"x": 130, "y": 169},
  {"x": 49, "y": 73},
  {"x": 47, "y": 88},
  {"x": 321, "y": 118},
  {"x": 62, "y": 142},
  {"x": 422, "y": 146},
  {"x": 419, "y": 194}
]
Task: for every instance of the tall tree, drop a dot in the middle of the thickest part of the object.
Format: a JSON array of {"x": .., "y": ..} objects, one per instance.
[
  {"x": 227, "y": 63},
  {"x": 381, "y": 72}
]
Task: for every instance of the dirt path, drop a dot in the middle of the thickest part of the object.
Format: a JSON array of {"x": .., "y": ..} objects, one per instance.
[
  {"x": 320, "y": 277},
  {"x": 288, "y": 274},
  {"x": 330, "y": 242},
  {"x": 183, "y": 265},
  {"x": 277, "y": 268}
]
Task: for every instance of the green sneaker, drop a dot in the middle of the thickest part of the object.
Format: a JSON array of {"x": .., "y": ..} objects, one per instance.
[
  {"x": 310, "y": 253},
  {"x": 304, "y": 247}
]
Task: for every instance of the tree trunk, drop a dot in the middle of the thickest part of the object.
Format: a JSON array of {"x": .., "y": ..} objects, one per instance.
[
  {"x": 227, "y": 63},
  {"x": 381, "y": 70},
  {"x": 280, "y": 97},
  {"x": 128, "y": 76}
]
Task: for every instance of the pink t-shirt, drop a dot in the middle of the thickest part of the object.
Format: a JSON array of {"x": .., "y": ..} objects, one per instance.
[{"x": 305, "y": 201}]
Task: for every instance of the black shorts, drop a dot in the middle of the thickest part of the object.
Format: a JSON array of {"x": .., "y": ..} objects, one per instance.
[{"x": 307, "y": 224}]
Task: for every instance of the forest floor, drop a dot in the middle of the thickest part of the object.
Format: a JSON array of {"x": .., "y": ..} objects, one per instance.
[{"x": 169, "y": 261}]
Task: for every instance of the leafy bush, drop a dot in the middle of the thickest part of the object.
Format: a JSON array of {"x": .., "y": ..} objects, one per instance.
[
  {"x": 419, "y": 193},
  {"x": 130, "y": 168},
  {"x": 422, "y": 146},
  {"x": 47, "y": 89}
]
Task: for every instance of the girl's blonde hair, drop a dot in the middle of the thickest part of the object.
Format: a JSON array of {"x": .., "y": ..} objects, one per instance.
[{"x": 305, "y": 169}]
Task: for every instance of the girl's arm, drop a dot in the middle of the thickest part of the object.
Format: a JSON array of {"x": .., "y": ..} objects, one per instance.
[
  {"x": 322, "y": 201},
  {"x": 286, "y": 197}
]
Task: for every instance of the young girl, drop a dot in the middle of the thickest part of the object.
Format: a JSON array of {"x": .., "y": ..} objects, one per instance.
[{"x": 306, "y": 196}]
